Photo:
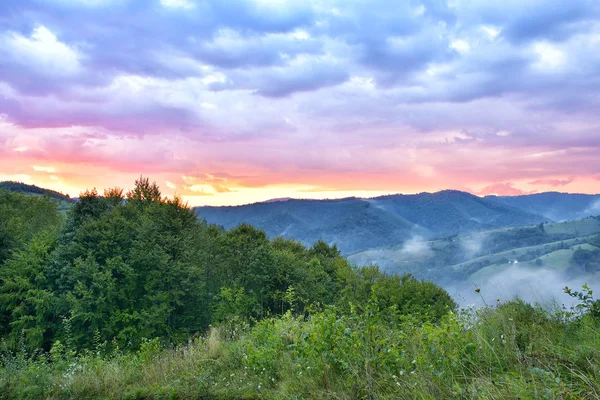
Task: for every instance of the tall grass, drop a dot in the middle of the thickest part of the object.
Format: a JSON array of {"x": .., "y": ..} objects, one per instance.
[{"x": 514, "y": 350}]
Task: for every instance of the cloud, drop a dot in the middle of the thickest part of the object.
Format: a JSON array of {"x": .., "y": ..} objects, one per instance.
[
  {"x": 301, "y": 76},
  {"x": 593, "y": 209},
  {"x": 416, "y": 246},
  {"x": 473, "y": 244},
  {"x": 221, "y": 189},
  {"x": 498, "y": 95},
  {"x": 500, "y": 189},
  {"x": 554, "y": 20},
  {"x": 38, "y": 63},
  {"x": 552, "y": 182},
  {"x": 232, "y": 49},
  {"x": 534, "y": 285},
  {"x": 183, "y": 4}
]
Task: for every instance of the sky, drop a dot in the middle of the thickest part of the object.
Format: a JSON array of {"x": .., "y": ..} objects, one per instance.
[{"x": 238, "y": 101}]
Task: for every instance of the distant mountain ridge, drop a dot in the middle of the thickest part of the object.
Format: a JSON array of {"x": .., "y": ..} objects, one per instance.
[
  {"x": 554, "y": 205},
  {"x": 357, "y": 224}
]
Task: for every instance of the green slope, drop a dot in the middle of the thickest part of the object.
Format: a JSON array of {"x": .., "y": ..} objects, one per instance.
[
  {"x": 479, "y": 254},
  {"x": 65, "y": 201}
]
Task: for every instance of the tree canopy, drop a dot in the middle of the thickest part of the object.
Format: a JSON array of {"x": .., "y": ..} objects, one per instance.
[{"x": 120, "y": 268}]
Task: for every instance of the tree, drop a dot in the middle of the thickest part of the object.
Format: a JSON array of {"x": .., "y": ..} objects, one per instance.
[
  {"x": 27, "y": 296},
  {"x": 144, "y": 191},
  {"x": 411, "y": 296}
]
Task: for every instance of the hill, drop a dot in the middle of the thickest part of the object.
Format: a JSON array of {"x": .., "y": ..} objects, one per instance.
[
  {"x": 451, "y": 211},
  {"x": 64, "y": 200},
  {"x": 356, "y": 224},
  {"x": 554, "y": 205},
  {"x": 567, "y": 247}
]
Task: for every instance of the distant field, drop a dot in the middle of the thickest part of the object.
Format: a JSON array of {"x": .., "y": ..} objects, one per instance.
[
  {"x": 439, "y": 256},
  {"x": 582, "y": 227},
  {"x": 558, "y": 260},
  {"x": 515, "y": 253}
]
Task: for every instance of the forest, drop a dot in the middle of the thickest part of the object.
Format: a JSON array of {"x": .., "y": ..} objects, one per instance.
[{"x": 129, "y": 295}]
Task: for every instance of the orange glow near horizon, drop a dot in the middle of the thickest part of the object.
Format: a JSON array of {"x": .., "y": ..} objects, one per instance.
[
  {"x": 242, "y": 172},
  {"x": 214, "y": 191}
]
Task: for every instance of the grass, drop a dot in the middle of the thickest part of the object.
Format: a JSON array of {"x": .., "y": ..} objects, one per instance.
[{"x": 512, "y": 351}]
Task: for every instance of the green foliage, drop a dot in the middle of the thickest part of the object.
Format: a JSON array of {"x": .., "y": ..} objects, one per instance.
[
  {"x": 27, "y": 296},
  {"x": 413, "y": 297},
  {"x": 20, "y": 187},
  {"x": 587, "y": 304},
  {"x": 134, "y": 297},
  {"x": 588, "y": 260},
  {"x": 28, "y": 227},
  {"x": 513, "y": 351},
  {"x": 125, "y": 268},
  {"x": 22, "y": 217}
]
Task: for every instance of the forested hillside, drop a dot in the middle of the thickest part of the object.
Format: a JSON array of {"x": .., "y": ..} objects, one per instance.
[
  {"x": 554, "y": 205},
  {"x": 64, "y": 201},
  {"x": 458, "y": 258},
  {"x": 360, "y": 224},
  {"x": 32, "y": 189},
  {"x": 124, "y": 267}
]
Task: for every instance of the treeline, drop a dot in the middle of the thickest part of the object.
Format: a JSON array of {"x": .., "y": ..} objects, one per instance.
[
  {"x": 588, "y": 260},
  {"x": 124, "y": 267}
]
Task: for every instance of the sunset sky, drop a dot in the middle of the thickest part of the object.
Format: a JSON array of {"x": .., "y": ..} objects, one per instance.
[{"x": 232, "y": 102}]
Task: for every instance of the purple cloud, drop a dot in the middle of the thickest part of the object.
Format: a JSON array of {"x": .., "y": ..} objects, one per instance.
[
  {"x": 552, "y": 182},
  {"x": 314, "y": 86}
]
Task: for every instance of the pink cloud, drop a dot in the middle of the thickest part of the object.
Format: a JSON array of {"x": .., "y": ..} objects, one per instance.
[
  {"x": 552, "y": 182},
  {"x": 500, "y": 189}
]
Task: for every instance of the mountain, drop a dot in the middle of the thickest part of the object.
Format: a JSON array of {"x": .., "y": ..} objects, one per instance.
[
  {"x": 352, "y": 223},
  {"x": 358, "y": 224},
  {"x": 451, "y": 211},
  {"x": 554, "y": 205}
]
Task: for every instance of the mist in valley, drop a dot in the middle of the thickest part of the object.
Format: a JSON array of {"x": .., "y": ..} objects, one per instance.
[
  {"x": 499, "y": 282},
  {"x": 537, "y": 286}
]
